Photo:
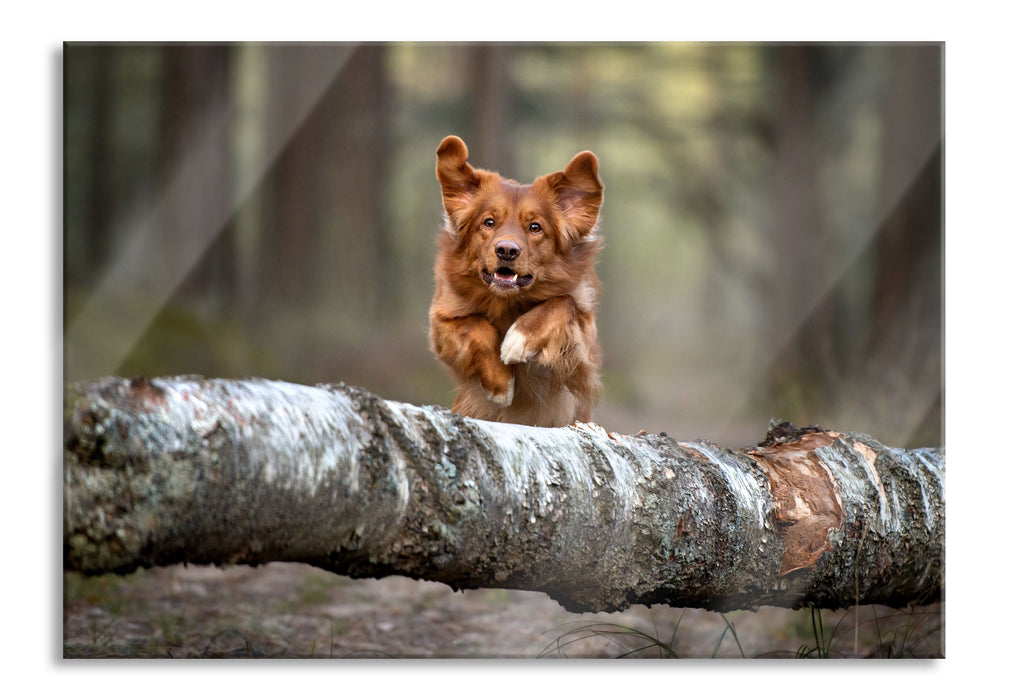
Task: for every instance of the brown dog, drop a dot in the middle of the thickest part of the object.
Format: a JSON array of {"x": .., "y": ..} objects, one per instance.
[{"x": 514, "y": 308}]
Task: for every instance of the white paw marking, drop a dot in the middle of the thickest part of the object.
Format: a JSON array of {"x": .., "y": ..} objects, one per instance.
[
  {"x": 504, "y": 401},
  {"x": 513, "y": 347}
]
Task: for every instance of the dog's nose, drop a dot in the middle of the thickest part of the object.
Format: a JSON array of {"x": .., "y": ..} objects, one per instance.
[{"x": 507, "y": 250}]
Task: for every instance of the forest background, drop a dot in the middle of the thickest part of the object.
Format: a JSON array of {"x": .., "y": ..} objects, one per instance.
[{"x": 773, "y": 220}]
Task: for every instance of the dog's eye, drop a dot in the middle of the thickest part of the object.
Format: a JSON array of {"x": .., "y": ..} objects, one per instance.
[
  {"x": 535, "y": 227},
  {"x": 488, "y": 222}
]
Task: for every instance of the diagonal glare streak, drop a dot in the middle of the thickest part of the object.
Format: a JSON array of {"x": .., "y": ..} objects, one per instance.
[
  {"x": 914, "y": 407},
  {"x": 911, "y": 113},
  {"x": 151, "y": 264}
]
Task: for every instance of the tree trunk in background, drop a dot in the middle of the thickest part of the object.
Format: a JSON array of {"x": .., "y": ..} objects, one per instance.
[
  {"x": 327, "y": 238},
  {"x": 215, "y": 471},
  {"x": 99, "y": 183},
  {"x": 907, "y": 307},
  {"x": 490, "y": 107},
  {"x": 290, "y": 214},
  {"x": 354, "y": 236},
  {"x": 196, "y": 93},
  {"x": 799, "y": 317}
]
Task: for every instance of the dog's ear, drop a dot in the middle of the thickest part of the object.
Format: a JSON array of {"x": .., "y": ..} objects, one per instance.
[
  {"x": 459, "y": 182},
  {"x": 579, "y": 192}
]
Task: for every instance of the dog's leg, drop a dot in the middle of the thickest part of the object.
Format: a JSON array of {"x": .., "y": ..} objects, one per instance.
[
  {"x": 469, "y": 346},
  {"x": 554, "y": 332},
  {"x": 557, "y": 335}
]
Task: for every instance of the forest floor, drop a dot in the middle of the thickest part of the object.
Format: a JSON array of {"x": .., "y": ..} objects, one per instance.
[{"x": 296, "y": 611}]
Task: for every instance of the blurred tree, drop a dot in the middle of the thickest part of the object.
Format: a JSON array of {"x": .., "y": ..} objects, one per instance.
[
  {"x": 290, "y": 210},
  {"x": 906, "y": 321},
  {"x": 836, "y": 348},
  {"x": 196, "y": 96},
  {"x": 109, "y": 92},
  {"x": 358, "y": 239},
  {"x": 796, "y": 239},
  {"x": 98, "y": 199},
  {"x": 490, "y": 109},
  {"x": 326, "y": 236}
]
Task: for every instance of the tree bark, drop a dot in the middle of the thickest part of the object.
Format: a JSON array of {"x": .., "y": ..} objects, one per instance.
[{"x": 161, "y": 471}]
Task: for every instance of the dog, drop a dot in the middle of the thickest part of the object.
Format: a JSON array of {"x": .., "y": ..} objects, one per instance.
[{"x": 513, "y": 315}]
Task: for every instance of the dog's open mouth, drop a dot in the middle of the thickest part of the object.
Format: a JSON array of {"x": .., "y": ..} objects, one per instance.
[{"x": 506, "y": 278}]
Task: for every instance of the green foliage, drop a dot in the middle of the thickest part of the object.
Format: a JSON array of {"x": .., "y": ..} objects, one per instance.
[
  {"x": 914, "y": 631},
  {"x": 898, "y": 634},
  {"x": 315, "y": 588},
  {"x": 630, "y": 642},
  {"x": 729, "y": 627},
  {"x": 821, "y": 648}
]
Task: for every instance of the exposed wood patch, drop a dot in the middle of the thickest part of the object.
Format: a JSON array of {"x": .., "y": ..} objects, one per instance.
[{"x": 806, "y": 505}]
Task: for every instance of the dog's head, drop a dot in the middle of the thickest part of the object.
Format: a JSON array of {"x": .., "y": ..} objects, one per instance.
[{"x": 520, "y": 239}]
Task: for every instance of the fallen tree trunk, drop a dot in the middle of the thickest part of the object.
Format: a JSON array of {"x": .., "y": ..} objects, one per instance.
[{"x": 204, "y": 471}]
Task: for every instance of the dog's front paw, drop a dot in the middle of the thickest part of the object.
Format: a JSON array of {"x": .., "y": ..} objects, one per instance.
[
  {"x": 503, "y": 399},
  {"x": 514, "y": 347}
]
